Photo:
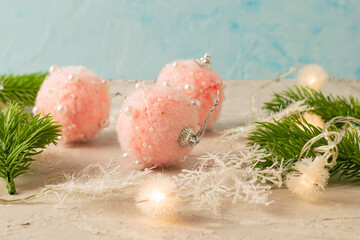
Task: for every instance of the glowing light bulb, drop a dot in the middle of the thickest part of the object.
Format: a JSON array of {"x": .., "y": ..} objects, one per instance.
[
  {"x": 157, "y": 196},
  {"x": 312, "y": 76}
]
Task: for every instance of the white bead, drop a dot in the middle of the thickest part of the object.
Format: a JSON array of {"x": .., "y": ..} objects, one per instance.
[
  {"x": 151, "y": 129},
  {"x": 140, "y": 85},
  {"x": 125, "y": 155},
  {"x": 105, "y": 123},
  {"x": 159, "y": 99},
  {"x": 129, "y": 111},
  {"x": 35, "y": 110},
  {"x": 148, "y": 112},
  {"x": 145, "y": 158},
  {"x": 144, "y": 145},
  {"x": 168, "y": 83},
  {"x": 176, "y": 99},
  {"x": 59, "y": 137},
  {"x": 73, "y": 95},
  {"x": 174, "y": 64},
  {"x": 137, "y": 128},
  {"x": 53, "y": 68},
  {"x": 203, "y": 83},
  {"x": 169, "y": 97},
  {"x": 106, "y": 82},
  {"x": 195, "y": 103},
  {"x": 188, "y": 88},
  {"x": 149, "y": 147},
  {"x": 73, "y": 78},
  {"x": 137, "y": 162},
  {"x": 61, "y": 109},
  {"x": 156, "y": 104}
]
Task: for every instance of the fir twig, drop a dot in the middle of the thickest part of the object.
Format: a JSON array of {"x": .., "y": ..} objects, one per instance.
[
  {"x": 327, "y": 107},
  {"x": 285, "y": 139},
  {"x": 22, "y": 136},
  {"x": 20, "y": 88}
]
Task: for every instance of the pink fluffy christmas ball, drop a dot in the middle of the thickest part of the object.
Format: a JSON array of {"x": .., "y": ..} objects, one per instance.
[
  {"x": 151, "y": 121},
  {"x": 78, "y": 99},
  {"x": 198, "y": 82}
]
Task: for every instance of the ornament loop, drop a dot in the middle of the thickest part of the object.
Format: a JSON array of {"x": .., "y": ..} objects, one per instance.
[
  {"x": 204, "y": 61},
  {"x": 187, "y": 135}
]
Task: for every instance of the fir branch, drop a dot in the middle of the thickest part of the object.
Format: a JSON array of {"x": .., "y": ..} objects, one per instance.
[
  {"x": 22, "y": 136},
  {"x": 327, "y": 107},
  {"x": 285, "y": 139},
  {"x": 21, "y": 88}
]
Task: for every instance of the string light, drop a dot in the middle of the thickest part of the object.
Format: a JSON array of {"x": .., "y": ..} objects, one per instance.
[
  {"x": 313, "y": 76},
  {"x": 158, "y": 196}
]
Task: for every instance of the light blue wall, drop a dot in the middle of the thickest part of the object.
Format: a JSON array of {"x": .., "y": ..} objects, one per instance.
[{"x": 250, "y": 39}]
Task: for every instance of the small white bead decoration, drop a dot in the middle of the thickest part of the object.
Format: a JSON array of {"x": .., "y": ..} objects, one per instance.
[
  {"x": 156, "y": 104},
  {"x": 35, "y": 110},
  {"x": 195, "y": 103},
  {"x": 137, "y": 128},
  {"x": 174, "y": 64},
  {"x": 137, "y": 162},
  {"x": 106, "y": 82},
  {"x": 188, "y": 88},
  {"x": 125, "y": 155},
  {"x": 168, "y": 83},
  {"x": 159, "y": 99},
  {"x": 140, "y": 85},
  {"x": 144, "y": 145},
  {"x": 61, "y": 109},
  {"x": 129, "y": 111},
  {"x": 203, "y": 83},
  {"x": 72, "y": 95},
  {"x": 149, "y": 147},
  {"x": 73, "y": 78},
  {"x": 151, "y": 129},
  {"x": 53, "y": 68}
]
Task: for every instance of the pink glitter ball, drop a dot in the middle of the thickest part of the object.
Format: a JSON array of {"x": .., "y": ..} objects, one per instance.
[
  {"x": 78, "y": 99},
  {"x": 198, "y": 82},
  {"x": 151, "y": 121}
]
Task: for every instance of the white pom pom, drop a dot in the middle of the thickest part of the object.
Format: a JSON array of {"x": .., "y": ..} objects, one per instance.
[
  {"x": 313, "y": 119},
  {"x": 309, "y": 178},
  {"x": 313, "y": 76},
  {"x": 158, "y": 196}
]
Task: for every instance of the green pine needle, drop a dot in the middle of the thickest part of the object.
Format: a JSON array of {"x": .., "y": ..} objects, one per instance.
[
  {"x": 21, "y": 88},
  {"x": 22, "y": 136},
  {"x": 285, "y": 139},
  {"x": 327, "y": 107}
]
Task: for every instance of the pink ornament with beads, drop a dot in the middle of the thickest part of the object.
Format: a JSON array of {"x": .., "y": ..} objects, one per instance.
[
  {"x": 151, "y": 121},
  {"x": 78, "y": 99},
  {"x": 199, "y": 82}
]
